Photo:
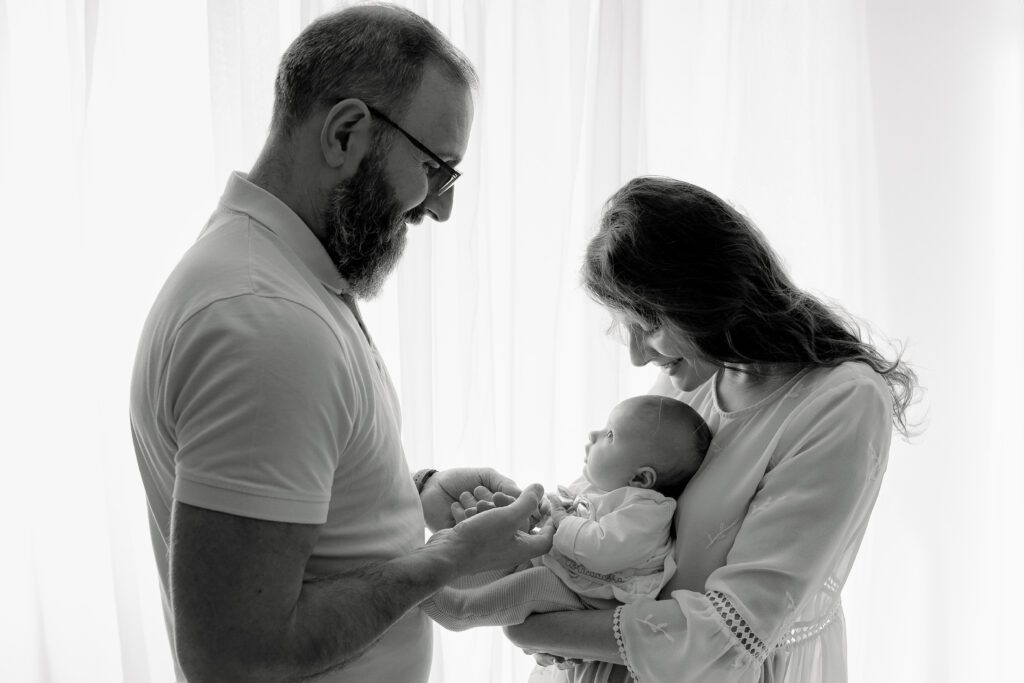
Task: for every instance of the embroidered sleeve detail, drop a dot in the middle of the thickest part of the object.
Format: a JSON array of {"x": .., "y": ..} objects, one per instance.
[
  {"x": 617, "y": 630},
  {"x": 804, "y": 632},
  {"x": 741, "y": 632}
]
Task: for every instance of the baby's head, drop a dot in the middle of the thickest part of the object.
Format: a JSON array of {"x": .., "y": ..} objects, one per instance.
[{"x": 651, "y": 442}]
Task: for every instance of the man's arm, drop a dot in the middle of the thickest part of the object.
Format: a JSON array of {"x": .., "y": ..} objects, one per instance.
[{"x": 242, "y": 610}]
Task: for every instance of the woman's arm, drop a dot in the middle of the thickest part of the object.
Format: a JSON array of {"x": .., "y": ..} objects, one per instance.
[{"x": 583, "y": 635}]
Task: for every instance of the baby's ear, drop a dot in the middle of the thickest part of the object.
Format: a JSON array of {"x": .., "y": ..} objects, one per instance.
[{"x": 644, "y": 478}]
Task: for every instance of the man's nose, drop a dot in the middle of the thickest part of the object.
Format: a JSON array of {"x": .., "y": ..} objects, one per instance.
[{"x": 440, "y": 206}]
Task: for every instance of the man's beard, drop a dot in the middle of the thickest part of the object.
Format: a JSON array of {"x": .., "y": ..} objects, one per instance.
[{"x": 365, "y": 228}]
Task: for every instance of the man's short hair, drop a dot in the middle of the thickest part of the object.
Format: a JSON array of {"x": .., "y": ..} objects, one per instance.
[{"x": 374, "y": 52}]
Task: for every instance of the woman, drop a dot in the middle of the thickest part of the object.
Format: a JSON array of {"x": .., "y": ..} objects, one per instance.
[{"x": 801, "y": 410}]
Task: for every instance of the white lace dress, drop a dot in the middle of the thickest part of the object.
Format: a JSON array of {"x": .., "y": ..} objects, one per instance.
[{"x": 766, "y": 534}]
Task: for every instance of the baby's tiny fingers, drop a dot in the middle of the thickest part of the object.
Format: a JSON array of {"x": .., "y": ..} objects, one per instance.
[
  {"x": 502, "y": 499},
  {"x": 467, "y": 499},
  {"x": 458, "y": 512},
  {"x": 482, "y": 493}
]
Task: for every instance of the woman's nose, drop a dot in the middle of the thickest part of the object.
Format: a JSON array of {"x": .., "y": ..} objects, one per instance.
[{"x": 638, "y": 354}]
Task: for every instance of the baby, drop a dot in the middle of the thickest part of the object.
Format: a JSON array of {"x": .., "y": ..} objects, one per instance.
[{"x": 613, "y": 535}]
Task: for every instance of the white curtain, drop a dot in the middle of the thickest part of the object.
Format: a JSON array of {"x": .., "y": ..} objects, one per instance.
[{"x": 878, "y": 143}]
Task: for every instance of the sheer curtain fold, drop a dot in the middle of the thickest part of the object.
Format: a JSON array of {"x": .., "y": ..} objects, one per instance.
[{"x": 878, "y": 145}]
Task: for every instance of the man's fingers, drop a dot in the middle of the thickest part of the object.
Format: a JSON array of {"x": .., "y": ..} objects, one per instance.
[
  {"x": 530, "y": 496},
  {"x": 494, "y": 481},
  {"x": 538, "y": 542},
  {"x": 542, "y": 536}
]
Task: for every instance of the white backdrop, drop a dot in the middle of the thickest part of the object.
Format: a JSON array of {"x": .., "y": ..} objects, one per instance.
[{"x": 878, "y": 143}]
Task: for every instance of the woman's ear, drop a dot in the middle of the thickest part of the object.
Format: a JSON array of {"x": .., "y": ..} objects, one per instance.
[
  {"x": 644, "y": 477},
  {"x": 345, "y": 137}
]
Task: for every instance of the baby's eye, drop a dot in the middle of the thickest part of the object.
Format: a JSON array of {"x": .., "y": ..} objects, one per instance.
[{"x": 609, "y": 434}]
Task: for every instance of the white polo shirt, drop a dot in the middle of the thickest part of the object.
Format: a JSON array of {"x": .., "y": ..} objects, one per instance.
[{"x": 257, "y": 392}]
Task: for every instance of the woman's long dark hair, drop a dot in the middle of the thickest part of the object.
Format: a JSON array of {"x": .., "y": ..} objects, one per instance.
[{"x": 672, "y": 253}]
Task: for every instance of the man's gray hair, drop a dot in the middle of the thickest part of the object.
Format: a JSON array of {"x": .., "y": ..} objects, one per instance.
[{"x": 375, "y": 52}]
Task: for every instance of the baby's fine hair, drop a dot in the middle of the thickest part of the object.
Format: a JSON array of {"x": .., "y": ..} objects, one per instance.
[{"x": 685, "y": 451}]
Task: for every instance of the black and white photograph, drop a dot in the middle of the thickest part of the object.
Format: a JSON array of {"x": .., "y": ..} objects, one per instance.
[{"x": 511, "y": 341}]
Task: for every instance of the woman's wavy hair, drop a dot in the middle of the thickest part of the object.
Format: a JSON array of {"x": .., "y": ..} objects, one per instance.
[{"x": 672, "y": 253}]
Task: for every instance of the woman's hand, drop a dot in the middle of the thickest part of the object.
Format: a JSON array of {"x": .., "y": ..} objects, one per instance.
[
  {"x": 573, "y": 636},
  {"x": 544, "y": 659}
]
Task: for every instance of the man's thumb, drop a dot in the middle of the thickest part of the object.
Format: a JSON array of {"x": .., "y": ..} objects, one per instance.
[{"x": 529, "y": 499}]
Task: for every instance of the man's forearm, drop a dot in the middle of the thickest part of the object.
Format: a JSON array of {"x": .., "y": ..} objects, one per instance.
[
  {"x": 339, "y": 617},
  {"x": 336, "y": 618},
  {"x": 248, "y": 614}
]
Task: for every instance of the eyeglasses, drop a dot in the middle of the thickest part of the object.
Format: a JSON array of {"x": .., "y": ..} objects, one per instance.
[{"x": 440, "y": 178}]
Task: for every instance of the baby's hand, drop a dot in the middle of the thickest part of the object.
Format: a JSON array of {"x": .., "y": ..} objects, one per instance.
[
  {"x": 558, "y": 513},
  {"x": 556, "y": 501}
]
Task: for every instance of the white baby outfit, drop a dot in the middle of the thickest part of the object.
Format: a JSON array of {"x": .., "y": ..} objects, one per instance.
[{"x": 617, "y": 544}]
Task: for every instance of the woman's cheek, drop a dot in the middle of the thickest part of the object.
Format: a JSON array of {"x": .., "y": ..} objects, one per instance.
[{"x": 691, "y": 374}]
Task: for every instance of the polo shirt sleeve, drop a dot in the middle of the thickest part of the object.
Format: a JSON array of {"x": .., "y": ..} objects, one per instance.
[{"x": 259, "y": 401}]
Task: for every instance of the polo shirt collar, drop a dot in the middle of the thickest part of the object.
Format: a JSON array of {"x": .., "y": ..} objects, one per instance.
[{"x": 244, "y": 197}]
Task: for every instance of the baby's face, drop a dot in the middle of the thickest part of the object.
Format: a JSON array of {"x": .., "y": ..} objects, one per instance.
[{"x": 614, "y": 453}]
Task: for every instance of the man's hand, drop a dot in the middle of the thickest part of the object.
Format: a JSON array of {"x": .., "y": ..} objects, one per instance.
[
  {"x": 441, "y": 494},
  {"x": 482, "y": 500},
  {"x": 494, "y": 539}
]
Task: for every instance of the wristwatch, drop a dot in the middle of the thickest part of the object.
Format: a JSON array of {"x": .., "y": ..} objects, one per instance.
[{"x": 420, "y": 479}]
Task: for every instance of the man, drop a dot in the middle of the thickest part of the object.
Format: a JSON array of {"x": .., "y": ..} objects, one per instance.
[{"x": 287, "y": 528}]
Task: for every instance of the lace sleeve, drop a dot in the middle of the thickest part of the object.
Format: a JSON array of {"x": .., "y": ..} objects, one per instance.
[{"x": 734, "y": 622}]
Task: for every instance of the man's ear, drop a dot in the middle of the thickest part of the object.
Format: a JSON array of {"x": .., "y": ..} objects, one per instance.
[
  {"x": 345, "y": 136},
  {"x": 644, "y": 477}
]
